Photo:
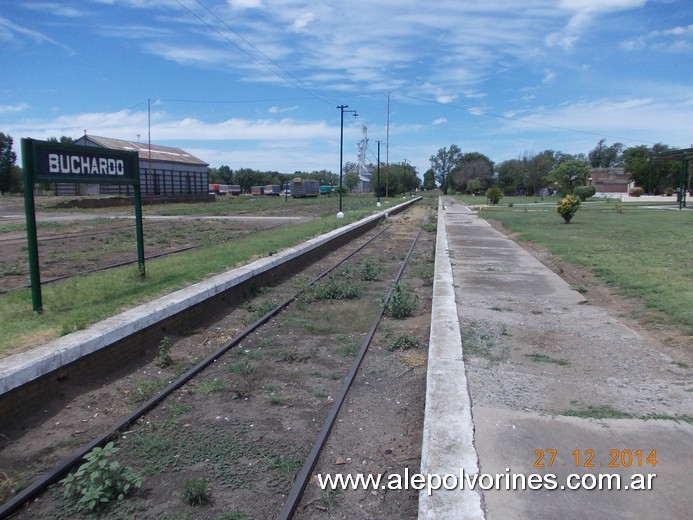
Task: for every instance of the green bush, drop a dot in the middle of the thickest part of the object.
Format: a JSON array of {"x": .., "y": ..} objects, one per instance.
[
  {"x": 100, "y": 480},
  {"x": 164, "y": 360},
  {"x": 195, "y": 492},
  {"x": 402, "y": 342},
  {"x": 568, "y": 207},
  {"x": 584, "y": 192},
  {"x": 494, "y": 195},
  {"x": 338, "y": 287},
  {"x": 402, "y": 303},
  {"x": 369, "y": 269},
  {"x": 636, "y": 192}
]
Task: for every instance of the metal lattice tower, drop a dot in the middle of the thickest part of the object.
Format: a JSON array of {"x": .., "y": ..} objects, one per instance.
[{"x": 361, "y": 169}]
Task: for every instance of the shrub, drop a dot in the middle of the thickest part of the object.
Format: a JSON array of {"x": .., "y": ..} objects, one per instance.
[
  {"x": 100, "y": 480},
  {"x": 195, "y": 492},
  {"x": 402, "y": 342},
  {"x": 339, "y": 287},
  {"x": 568, "y": 207},
  {"x": 402, "y": 303},
  {"x": 369, "y": 269},
  {"x": 636, "y": 192},
  {"x": 494, "y": 195},
  {"x": 584, "y": 192},
  {"x": 164, "y": 360}
]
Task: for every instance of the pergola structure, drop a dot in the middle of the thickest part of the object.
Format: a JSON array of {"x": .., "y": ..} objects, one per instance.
[{"x": 684, "y": 155}]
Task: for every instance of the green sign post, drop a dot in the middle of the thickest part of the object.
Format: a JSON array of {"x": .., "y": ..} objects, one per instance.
[{"x": 44, "y": 161}]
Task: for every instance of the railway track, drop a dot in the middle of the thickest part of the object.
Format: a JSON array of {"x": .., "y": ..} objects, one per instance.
[
  {"x": 61, "y": 263},
  {"x": 243, "y": 394}
]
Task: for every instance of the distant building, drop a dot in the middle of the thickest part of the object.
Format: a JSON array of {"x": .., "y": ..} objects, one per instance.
[
  {"x": 609, "y": 180},
  {"x": 166, "y": 171}
]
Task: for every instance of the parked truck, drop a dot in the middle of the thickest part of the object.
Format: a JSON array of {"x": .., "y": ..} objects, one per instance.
[
  {"x": 273, "y": 190},
  {"x": 301, "y": 188}
]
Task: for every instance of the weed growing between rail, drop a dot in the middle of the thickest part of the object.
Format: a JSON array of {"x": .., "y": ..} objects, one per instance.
[{"x": 100, "y": 481}]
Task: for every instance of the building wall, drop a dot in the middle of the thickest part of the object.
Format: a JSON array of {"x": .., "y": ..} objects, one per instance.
[
  {"x": 162, "y": 179},
  {"x": 610, "y": 180}
]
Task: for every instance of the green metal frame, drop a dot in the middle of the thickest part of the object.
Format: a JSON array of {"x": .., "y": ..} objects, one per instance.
[
  {"x": 684, "y": 155},
  {"x": 34, "y": 154}
]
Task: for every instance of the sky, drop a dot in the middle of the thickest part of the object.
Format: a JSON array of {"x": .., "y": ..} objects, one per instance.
[{"x": 257, "y": 83}]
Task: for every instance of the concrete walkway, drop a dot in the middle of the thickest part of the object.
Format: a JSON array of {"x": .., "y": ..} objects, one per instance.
[{"x": 515, "y": 403}]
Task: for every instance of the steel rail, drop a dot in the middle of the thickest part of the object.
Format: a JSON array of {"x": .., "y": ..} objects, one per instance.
[
  {"x": 73, "y": 459},
  {"x": 300, "y": 483}
]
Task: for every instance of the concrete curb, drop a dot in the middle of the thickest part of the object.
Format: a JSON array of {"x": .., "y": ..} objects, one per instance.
[
  {"x": 448, "y": 432},
  {"x": 19, "y": 369}
]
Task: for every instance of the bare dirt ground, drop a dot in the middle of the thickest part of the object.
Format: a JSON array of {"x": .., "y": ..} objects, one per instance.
[{"x": 72, "y": 243}]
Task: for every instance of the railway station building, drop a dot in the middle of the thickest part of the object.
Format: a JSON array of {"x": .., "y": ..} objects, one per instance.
[{"x": 164, "y": 172}]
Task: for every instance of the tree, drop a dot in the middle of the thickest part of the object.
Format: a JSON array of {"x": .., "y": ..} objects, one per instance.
[
  {"x": 537, "y": 168},
  {"x": 443, "y": 163},
  {"x": 606, "y": 156},
  {"x": 226, "y": 174},
  {"x": 654, "y": 176},
  {"x": 473, "y": 185},
  {"x": 7, "y": 160},
  {"x": 429, "y": 180},
  {"x": 570, "y": 174},
  {"x": 509, "y": 177},
  {"x": 63, "y": 140},
  {"x": 351, "y": 180},
  {"x": 472, "y": 165}
]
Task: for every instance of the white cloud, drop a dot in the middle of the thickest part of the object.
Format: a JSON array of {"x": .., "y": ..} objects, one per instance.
[
  {"x": 583, "y": 14},
  {"x": 676, "y": 39},
  {"x": 279, "y": 110},
  {"x": 549, "y": 76},
  {"x": 632, "y": 121},
  {"x": 55, "y": 9},
  {"x": 440, "y": 121},
  {"x": 19, "y": 107},
  {"x": 245, "y": 4},
  {"x": 12, "y": 32}
]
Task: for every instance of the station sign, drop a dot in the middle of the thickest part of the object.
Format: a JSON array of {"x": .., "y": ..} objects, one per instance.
[
  {"x": 54, "y": 162},
  {"x": 45, "y": 161}
]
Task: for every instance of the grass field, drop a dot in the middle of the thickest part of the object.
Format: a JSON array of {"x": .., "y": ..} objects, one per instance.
[{"x": 645, "y": 253}]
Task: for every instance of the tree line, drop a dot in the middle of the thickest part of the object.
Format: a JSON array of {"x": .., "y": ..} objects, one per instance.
[
  {"x": 451, "y": 170},
  {"x": 541, "y": 173}
]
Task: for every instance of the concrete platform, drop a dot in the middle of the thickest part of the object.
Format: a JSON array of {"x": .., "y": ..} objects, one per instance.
[{"x": 477, "y": 421}]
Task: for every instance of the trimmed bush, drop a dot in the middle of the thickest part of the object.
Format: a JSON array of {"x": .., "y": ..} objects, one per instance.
[
  {"x": 584, "y": 192},
  {"x": 636, "y": 192},
  {"x": 494, "y": 195}
]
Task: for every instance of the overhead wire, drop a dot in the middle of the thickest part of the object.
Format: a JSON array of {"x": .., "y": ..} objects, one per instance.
[{"x": 288, "y": 77}]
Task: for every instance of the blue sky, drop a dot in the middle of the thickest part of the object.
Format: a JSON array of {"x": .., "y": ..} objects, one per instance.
[{"x": 256, "y": 83}]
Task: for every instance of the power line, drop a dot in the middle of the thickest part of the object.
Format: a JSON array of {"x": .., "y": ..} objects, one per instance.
[
  {"x": 114, "y": 116},
  {"x": 292, "y": 80}
]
